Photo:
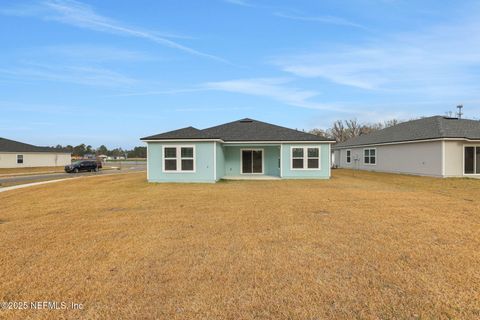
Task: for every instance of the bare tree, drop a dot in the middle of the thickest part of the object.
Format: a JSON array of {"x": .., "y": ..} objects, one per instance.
[
  {"x": 354, "y": 128},
  {"x": 338, "y": 131},
  {"x": 343, "y": 130},
  {"x": 320, "y": 133},
  {"x": 391, "y": 123}
]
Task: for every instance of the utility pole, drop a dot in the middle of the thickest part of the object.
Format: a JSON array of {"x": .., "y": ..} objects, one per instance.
[{"x": 460, "y": 113}]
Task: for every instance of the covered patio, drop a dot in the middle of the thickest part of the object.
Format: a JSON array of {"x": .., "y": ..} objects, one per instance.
[{"x": 252, "y": 162}]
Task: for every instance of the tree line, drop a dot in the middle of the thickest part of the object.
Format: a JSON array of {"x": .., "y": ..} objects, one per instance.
[
  {"x": 83, "y": 149},
  {"x": 342, "y": 130}
]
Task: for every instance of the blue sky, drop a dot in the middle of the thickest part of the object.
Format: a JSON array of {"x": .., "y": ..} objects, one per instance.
[{"x": 110, "y": 72}]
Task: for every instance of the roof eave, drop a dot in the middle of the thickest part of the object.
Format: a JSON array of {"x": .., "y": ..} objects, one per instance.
[{"x": 406, "y": 141}]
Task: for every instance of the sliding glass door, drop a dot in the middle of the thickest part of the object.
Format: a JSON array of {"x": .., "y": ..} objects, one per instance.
[
  {"x": 252, "y": 161},
  {"x": 472, "y": 160}
]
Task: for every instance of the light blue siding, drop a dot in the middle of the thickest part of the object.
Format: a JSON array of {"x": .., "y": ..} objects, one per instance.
[
  {"x": 227, "y": 159},
  {"x": 322, "y": 173},
  {"x": 204, "y": 163},
  {"x": 220, "y": 161}
]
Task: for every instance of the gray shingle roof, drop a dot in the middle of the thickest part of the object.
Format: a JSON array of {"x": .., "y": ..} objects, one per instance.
[
  {"x": 240, "y": 130},
  {"x": 422, "y": 129},
  {"x": 183, "y": 133},
  {"x": 7, "y": 145}
]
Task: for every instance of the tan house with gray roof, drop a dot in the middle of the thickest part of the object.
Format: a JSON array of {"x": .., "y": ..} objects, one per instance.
[
  {"x": 14, "y": 154},
  {"x": 435, "y": 146}
]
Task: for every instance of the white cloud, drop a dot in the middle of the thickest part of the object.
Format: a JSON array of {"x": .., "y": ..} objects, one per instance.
[
  {"x": 80, "y": 15},
  {"x": 321, "y": 19},
  {"x": 72, "y": 74},
  {"x": 240, "y": 3},
  {"x": 88, "y": 52},
  {"x": 273, "y": 88},
  {"x": 438, "y": 61}
]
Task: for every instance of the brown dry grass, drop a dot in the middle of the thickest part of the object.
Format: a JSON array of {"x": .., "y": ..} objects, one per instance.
[
  {"x": 32, "y": 170},
  {"x": 363, "y": 246}
]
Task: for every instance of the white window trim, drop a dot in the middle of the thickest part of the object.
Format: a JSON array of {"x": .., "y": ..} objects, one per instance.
[
  {"x": 474, "y": 161},
  {"x": 347, "y": 156},
  {"x": 376, "y": 157},
  {"x": 23, "y": 159},
  {"x": 305, "y": 158},
  {"x": 179, "y": 158},
  {"x": 252, "y": 149}
]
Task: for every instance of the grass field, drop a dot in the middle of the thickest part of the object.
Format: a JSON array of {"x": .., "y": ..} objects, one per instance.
[
  {"x": 32, "y": 170},
  {"x": 361, "y": 245}
]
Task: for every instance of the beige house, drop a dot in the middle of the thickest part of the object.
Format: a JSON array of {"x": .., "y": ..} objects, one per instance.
[
  {"x": 14, "y": 154},
  {"x": 435, "y": 146}
]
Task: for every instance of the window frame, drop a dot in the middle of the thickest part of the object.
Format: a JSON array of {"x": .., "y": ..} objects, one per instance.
[
  {"x": 305, "y": 158},
  {"x": 370, "y": 157},
  {"x": 241, "y": 160},
  {"x": 475, "y": 164},
  {"x": 348, "y": 154},
  {"x": 23, "y": 158},
  {"x": 178, "y": 158}
]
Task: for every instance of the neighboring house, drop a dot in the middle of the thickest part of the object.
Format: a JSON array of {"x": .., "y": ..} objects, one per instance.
[
  {"x": 243, "y": 149},
  {"x": 14, "y": 154},
  {"x": 435, "y": 146}
]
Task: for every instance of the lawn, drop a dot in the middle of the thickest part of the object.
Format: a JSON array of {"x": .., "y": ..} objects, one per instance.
[
  {"x": 361, "y": 245},
  {"x": 30, "y": 170}
]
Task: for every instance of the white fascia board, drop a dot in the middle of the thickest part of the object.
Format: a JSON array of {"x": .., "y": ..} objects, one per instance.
[
  {"x": 184, "y": 140},
  {"x": 278, "y": 142},
  {"x": 403, "y": 142}
]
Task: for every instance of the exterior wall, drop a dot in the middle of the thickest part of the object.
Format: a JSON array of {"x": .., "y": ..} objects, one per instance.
[
  {"x": 220, "y": 154},
  {"x": 454, "y": 158},
  {"x": 227, "y": 159},
  {"x": 204, "y": 163},
  {"x": 419, "y": 158},
  {"x": 271, "y": 155},
  {"x": 336, "y": 158},
  {"x": 322, "y": 173},
  {"x": 30, "y": 159}
]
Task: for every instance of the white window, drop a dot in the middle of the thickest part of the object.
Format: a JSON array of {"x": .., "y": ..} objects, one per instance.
[
  {"x": 19, "y": 158},
  {"x": 178, "y": 159},
  {"x": 305, "y": 158},
  {"x": 370, "y": 156},
  {"x": 349, "y": 156}
]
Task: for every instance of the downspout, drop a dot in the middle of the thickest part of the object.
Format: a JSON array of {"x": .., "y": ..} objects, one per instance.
[
  {"x": 281, "y": 160},
  {"x": 215, "y": 161},
  {"x": 443, "y": 159}
]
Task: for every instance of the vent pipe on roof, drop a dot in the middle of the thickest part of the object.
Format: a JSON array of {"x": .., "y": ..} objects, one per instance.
[{"x": 460, "y": 113}]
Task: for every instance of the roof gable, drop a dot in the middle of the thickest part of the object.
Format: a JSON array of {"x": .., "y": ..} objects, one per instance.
[
  {"x": 241, "y": 130},
  {"x": 436, "y": 127}
]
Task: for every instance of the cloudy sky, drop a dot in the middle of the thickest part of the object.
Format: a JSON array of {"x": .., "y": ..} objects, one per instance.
[{"x": 110, "y": 72}]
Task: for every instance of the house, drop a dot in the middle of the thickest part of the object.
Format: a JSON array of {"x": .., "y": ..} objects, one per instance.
[
  {"x": 89, "y": 156},
  {"x": 243, "y": 149},
  {"x": 14, "y": 154},
  {"x": 102, "y": 157},
  {"x": 435, "y": 146}
]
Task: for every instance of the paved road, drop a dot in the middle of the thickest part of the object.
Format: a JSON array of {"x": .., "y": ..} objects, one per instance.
[{"x": 124, "y": 168}]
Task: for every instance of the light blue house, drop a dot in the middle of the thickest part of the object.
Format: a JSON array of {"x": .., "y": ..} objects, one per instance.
[{"x": 243, "y": 149}]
